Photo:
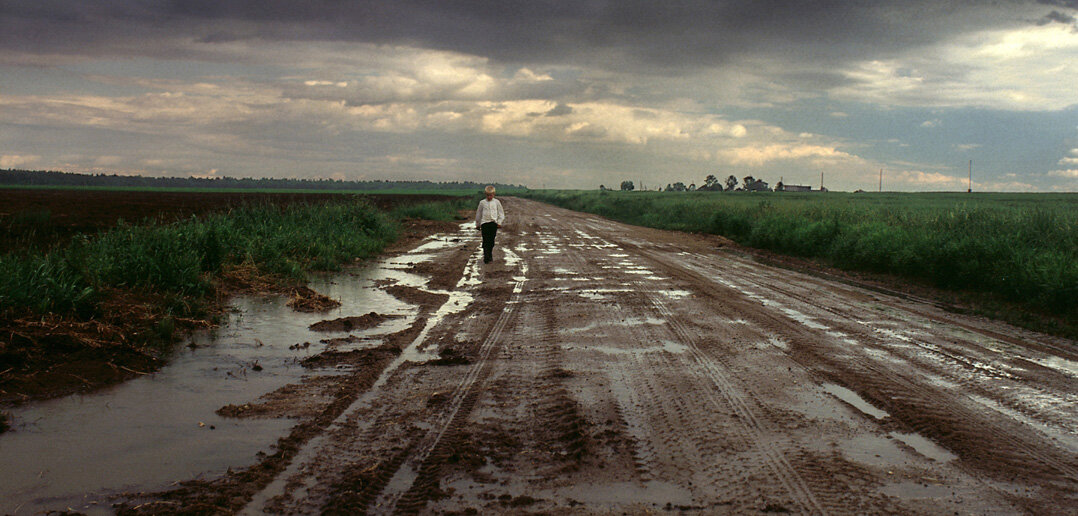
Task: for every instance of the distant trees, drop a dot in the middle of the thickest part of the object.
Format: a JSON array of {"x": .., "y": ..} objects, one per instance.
[
  {"x": 710, "y": 182},
  {"x": 627, "y": 186},
  {"x": 731, "y": 183}
]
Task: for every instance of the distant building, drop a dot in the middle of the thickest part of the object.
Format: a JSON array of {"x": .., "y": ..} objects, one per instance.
[
  {"x": 796, "y": 188},
  {"x": 758, "y": 186}
]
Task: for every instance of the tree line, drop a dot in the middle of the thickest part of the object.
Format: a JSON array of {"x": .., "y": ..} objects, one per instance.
[
  {"x": 14, "y": 177},
  {"x": 712, "y": 184}
]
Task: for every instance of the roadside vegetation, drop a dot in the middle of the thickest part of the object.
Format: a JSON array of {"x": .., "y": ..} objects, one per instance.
[
  {"x": 1017, "y": 253},
  {"x": 121, "y": 293}
]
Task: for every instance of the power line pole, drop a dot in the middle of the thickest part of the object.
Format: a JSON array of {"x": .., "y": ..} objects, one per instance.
[
  {"x": 970, "y": 190},
  {"x": 881, "y": 180}
]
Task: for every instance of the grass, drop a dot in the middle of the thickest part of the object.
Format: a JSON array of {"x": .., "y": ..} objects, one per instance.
[
  {"x": 1019, "y": 248},
  {"x": 181, "y": 260}
]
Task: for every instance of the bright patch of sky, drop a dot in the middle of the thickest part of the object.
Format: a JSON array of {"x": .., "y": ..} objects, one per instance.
[{"x": 560, "y": 96}]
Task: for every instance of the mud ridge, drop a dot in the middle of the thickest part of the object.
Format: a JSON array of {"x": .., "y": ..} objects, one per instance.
[{"x": 353, "y": 323}]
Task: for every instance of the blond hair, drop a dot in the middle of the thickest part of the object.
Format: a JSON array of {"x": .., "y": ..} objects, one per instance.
[{"x": 489, "y": 189}]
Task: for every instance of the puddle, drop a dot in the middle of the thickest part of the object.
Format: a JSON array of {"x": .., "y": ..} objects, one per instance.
[
  {"x": 874, "y": 450},
  {"x": 924, "y": 446},
  {"x": 802, "y": 318},
  {"x": 1068, "y": 367},
  {"x": 600, "y": 294},
  {"x": 854, "y": 399},
  {"x": 676, "y": 294},
  {"x": 459, "y": 299},
  {"x": 778, "y": 343},
  {"x": 1065, "y": 437},
  {"x": 145, "y": 434}
]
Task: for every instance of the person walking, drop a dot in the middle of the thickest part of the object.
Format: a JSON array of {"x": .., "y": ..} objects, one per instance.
[{"x": 488, "y": 218}]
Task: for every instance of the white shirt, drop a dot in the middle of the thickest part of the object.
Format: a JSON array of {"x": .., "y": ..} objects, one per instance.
[{"x": 489, "y": 211}]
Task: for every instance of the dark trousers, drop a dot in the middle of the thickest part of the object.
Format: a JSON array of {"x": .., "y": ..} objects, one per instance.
[{"x": 490, "y": 230}]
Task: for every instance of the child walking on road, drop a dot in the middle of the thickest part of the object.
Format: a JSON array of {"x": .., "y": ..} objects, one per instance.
[{"x": 488, "y": 218}]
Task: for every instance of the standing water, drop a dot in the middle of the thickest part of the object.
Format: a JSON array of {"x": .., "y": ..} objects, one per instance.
[{"x": 156, "y": 430}]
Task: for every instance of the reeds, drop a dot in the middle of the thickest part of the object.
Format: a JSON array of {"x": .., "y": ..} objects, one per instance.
[{"x": 181, "y": 259}]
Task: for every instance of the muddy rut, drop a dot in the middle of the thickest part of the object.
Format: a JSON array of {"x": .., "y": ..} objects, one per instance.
[{"x": 602, "y": 368}]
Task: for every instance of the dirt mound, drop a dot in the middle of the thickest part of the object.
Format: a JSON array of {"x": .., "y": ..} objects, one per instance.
[
  {"x": 301, "y": 400},
  {"x": 356, "y": 358},
  {"x": 415, "y": 296},
  {"x": 356, "y": 322},
  {"x": 306, "y": 300}
]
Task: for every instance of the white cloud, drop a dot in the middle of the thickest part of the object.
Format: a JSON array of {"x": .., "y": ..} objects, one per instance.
[
  {"x": 757, "y": 155},
  {"x": 926, "y": 179},
  {"x": 18, "y": 160},
  {"x": 1068, "y": 173},
  {"x": 931, "y": 123},
  {"x": 1070, "y": 159},
  {"x": 1026, "y": 69},
  {"x": 1005, "y": 186}
]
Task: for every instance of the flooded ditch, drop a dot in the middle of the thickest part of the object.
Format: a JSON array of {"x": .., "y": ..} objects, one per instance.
[{"x": 152, "y": 432}]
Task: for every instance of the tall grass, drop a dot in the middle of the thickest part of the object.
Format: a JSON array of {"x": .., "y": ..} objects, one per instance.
[
  {"x": 1021, "y": 247},
  {"x": 181, "y": 259}
]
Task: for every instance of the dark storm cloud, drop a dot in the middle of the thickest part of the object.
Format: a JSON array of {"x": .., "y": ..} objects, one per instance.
[
  {"x": 634, "y": 35},
  {"x": 1070, "y": 4},
  {"x": 1057, "y": 17}
]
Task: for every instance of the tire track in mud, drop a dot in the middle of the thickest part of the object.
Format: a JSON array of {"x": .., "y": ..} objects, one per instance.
[
  {"x": 645, "y": 459},
  {"x": 741, "y": 400},
  {"x": 924, "y": 409},
  {"x": 1030, "y": 394},
  {"x": 733, "y": 398},
  {"x": 870, "y": 369},
  {"x": 678, "y": 440},
  {"x": 416, "y": 480}
]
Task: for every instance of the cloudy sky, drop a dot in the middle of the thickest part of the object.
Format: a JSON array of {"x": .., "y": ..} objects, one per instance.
[{"x": 561, "y": 94}]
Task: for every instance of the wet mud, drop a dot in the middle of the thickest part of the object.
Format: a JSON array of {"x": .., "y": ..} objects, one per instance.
[
  {"x": 598, "y": 368},
  {"x": 353, "y": 322},
  {"x": 306, "y": 300}
]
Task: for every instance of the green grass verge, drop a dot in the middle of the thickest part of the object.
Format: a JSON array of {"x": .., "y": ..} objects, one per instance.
[
  {"x": 181, "y": 259},
  {"x": 1021, "y": 248}
]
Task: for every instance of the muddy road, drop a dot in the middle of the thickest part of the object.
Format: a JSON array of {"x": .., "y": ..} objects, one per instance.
[{"x": 602, "y": 368}]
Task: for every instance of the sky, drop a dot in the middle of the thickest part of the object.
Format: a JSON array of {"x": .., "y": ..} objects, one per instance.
[{"x": 548, "y": 94}]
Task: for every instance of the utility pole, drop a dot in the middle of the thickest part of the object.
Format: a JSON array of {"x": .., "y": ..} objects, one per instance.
[
  {"x": 821, "y": 181},
  {"x": 970, "y": 177},
  {"x": 881, "y": 180}
]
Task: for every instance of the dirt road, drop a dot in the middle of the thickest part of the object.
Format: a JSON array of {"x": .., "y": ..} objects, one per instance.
[{"x": 602, "y": 368}]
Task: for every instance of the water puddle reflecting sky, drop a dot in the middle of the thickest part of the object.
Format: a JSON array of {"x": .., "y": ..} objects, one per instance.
[{"x": 150, "y": 432}]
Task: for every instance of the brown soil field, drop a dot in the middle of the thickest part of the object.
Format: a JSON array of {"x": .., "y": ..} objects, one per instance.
[
  {"x": 600, "y": 368},
  {"x": 47, "y": 217}
]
